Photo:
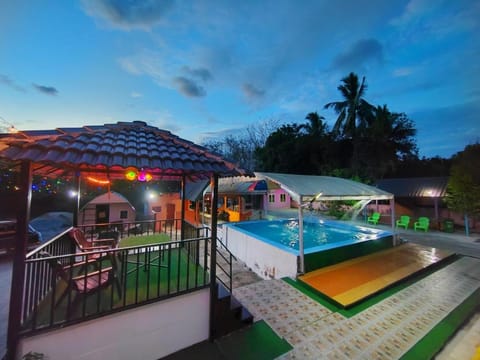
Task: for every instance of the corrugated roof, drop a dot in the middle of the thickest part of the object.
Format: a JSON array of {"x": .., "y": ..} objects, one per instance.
[
  {"x": 415, "y": 187},
  {"x": 111, "y": 149},
  {"x": 307, "y": 187},
  {"x": 241, "y": 185},
  {"x": 194, "y": 190}
]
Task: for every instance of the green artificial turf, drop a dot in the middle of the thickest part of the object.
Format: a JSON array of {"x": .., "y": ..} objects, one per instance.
[
  {"x": 144, "y": 240},
  {"x": 258, "y": 341}
]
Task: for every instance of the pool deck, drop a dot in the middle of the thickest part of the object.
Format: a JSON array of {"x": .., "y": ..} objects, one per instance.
[
  {"x": 354, "y": 280},
  {"x": 387, "y": 329}
]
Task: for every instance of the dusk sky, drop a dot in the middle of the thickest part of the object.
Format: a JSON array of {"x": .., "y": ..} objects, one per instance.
[{"x": 210, "y": 67}]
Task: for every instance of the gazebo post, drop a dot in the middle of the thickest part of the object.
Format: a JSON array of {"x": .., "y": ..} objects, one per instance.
[
  {"x": 76, "y": 210},
  {"x": 182, "y": 225},
  {"x": 18, "y": 269},
  {"x": 392, "y": 212},
  {"x": 213, "y": 255}
]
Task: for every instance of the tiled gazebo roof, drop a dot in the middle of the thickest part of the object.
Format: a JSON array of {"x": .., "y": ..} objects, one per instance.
[{"x": 111, "y": 149}]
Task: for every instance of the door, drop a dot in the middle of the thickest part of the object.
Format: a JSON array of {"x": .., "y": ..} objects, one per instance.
[
  {"x": 102, "y": 213},
  {"x": 170, "y": 213}
]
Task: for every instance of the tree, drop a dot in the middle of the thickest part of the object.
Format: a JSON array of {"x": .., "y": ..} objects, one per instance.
[
  {"x": 390, "y": 137},
  {"x": 240, "y": 147},
  {"x": 283, "y": 150},
  {"x": 316, "y": 126},
  {"x": 463, "y": 190},
  {"x": 354, "y": 111}
]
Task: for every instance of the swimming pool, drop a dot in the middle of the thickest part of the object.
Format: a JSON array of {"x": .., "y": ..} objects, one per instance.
[
  {"x": 318, "y": 234},
  {"x": 270, "y": 248}
]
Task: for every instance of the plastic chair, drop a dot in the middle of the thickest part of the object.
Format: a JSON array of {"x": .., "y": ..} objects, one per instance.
[
  {"x": 374, "y": 218},
  {"x": 422, "y": 224},
  {"x": 403, "y": 221}
]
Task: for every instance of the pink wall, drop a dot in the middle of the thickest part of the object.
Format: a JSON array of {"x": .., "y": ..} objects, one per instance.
[{"x": 277, "y": 204}]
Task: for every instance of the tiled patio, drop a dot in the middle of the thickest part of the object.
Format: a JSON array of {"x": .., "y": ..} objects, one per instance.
[{"x": 386, "y": 330}]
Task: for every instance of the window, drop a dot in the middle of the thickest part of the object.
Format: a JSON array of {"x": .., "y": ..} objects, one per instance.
[
  {"x": 283, "y": 198},
  {"x": 271, "y": 198},
  {"x": 123, "y": 214}
]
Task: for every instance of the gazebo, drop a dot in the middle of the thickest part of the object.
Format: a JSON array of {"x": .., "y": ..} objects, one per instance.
[{"x": 111, "y": 151}]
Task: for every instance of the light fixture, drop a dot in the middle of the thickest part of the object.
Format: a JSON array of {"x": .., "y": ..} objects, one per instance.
[{"x": 143, "y": 176}]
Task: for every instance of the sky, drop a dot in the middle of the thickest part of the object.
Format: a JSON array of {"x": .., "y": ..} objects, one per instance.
[{"x": 207, "y": 68}]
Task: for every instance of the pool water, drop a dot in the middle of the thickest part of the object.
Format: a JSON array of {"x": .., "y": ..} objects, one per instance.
[{"x": 316, "y": 233}]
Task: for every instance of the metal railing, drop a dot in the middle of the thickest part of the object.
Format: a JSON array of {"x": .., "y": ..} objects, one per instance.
[
  {"x": 224, "y": 261},
  {"x": 57, "y": 293},
  {"x": 172, "y": 228},
  {"x": 58, "y": 289}
]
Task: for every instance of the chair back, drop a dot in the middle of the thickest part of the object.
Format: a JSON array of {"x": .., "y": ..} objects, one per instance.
[
  {"x": 423, "y": 220},
  {"x": 79, "y": 237},
  {"x": 405, "y": 219}
]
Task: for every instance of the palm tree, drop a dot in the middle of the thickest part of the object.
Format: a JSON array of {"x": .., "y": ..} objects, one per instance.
[
  {"x": 353, "y": 112},
  {"x": 316, "y": 127}
]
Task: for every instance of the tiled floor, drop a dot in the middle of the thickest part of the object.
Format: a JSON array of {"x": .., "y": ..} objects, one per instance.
[{"x": 386, "y": 330}]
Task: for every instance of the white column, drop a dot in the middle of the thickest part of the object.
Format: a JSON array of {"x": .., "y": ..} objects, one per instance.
[{"x": 301, "y": 264}]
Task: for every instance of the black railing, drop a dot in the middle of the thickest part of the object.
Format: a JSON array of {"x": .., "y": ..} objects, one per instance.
[
  {"x": 66, "y": 289},
  {"x": 224, "y": 261},
  {"x": 127, "y": 277},
  {"x": 172, "y": 228}
]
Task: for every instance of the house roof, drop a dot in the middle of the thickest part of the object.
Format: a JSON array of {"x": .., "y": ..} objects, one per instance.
[
  {"x": 110, "y": 197},
  {"x": 304, "y": 188},
  {"x": 113, "y": 148},
  {"x": 415, "y": 187}
]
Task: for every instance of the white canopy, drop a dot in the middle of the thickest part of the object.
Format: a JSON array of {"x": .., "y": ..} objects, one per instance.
[{"x": 304, "y": 188}]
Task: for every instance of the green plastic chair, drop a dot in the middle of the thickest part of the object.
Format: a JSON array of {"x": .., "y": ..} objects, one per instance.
[
  {"x": 374, "y": 218},
  {"x": 403, "y": 221},
  {"x": 422, "y": 224}
]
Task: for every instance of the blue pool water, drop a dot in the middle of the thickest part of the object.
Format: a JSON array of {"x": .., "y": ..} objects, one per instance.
[{"x": 317, "y": 234}]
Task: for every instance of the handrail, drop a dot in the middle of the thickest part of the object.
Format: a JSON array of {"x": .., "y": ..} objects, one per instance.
[
  {"x": 48, "y": 243},
  {"x": 229, "y": 261},
  {"x": 141, "y": 275}
]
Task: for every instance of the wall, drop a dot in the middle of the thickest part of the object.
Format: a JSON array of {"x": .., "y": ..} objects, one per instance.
[
  {"x": 147, "y": 332},
  {"x": 266, "y": 260},
  {"x": 277, "y": 204}
]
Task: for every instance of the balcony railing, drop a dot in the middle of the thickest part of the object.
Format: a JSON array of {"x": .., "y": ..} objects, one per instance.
[{"x": 64, "y": 287}]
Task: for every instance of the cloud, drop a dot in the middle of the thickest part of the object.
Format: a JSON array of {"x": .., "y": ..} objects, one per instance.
[
  {"x": 127, "y": 15},
  {"x": 252, "y": 92},
  {"x": 413, "y": 10},
  {"x": 404, "y": 71},
  {"x": 359, "y": 54},
  {"x": 47, "y": 90},
  {"x": 4, "y": 79},
  {"x": 460, "y": 127},
  {"x": 135, "y": 94},
  {"x": 200, "y": 73},
  {"x": 188, "y": 87}
]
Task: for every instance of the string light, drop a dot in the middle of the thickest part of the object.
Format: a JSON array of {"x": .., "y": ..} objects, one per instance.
[
  {"x": 98, "y": 181},
  {"x": 142, "y": 176}
]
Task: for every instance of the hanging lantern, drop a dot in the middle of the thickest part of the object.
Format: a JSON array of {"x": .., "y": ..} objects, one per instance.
[
  {"x": 131, "y": 175},
  {"x": 144, "y": 176}
]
